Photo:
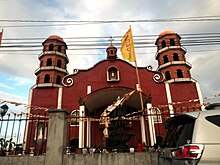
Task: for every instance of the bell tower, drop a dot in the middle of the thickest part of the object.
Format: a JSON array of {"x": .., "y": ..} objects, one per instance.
[
  {"x": 171, "y": 57},
  {"x": 111, "y": 51},
  {"x": 53, "y": 61}
]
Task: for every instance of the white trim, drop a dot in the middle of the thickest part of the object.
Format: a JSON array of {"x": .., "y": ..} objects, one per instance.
[
  {"x": 174, "y": 63},
  {"x": 53, "y": 53},
  {"x": 81, "y": 126},
  {"x": 151, "y": 124},
  {"x": 74, "y": 113},
  {"x": 89, "y": 89},
  {"x": 167, "y": 48},
  {"x": 59, "y": 100},
  {"x": 88, "y": 133},
  {"x": 179, "y": 80},
  {"x": 108, "y": 76},
  {"x": 137, "y": 86},
  {"x": 169, "y": 99},
  {"x": 200, "y": 96},
  {"x": 47, "y": 85},
  {"x": 45, "y": 68}
]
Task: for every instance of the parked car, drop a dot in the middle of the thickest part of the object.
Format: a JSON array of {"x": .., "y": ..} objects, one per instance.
[{"x": 192, "y": 138}]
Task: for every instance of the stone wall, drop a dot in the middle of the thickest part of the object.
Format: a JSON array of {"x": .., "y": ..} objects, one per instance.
[{"x": 143, "y": 158}]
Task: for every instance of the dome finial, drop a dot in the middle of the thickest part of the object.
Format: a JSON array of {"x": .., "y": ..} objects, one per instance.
[{"x": 111, "y": 39}]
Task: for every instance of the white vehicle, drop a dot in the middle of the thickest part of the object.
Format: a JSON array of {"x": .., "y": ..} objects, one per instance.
[{"x": 192, "y": 138}]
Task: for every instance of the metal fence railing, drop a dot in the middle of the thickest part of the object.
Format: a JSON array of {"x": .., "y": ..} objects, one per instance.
[{"x": 26, "y": 134}]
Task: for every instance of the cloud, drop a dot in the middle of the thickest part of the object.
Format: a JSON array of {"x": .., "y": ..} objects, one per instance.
[
  {"x": 19, "y": 81},
  {"x": 6, "y": 86},
  {"x": 21, "y": 65},
  {"x": 12, "y": 97}
]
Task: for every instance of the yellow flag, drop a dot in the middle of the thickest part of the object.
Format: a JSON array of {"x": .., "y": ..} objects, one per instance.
[{"x": 127, "y": 47}]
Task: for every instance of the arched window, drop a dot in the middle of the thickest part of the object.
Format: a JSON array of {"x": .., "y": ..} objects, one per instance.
[
  {"x": 167, "y": 75},
  {"x": 74, "y": 118},
  {"x": 163, "y": 44},
  {"x": 59, "y": 48},
  {"x": 51, "y": 47},
  {"x": 49, "y": 62},
  {"x": 47, "y": 78},
  {"x": 40, "y": 132},
  {"x": 113, "y": 74},
  {"x": 165, "y": 59},
  {"x": 172, "y": 42},
  {"x": 58, "y": 79},
  {"x": 179, "y": 73},
  {"x": 59, "y": 63},
  {"x": 175, "y": 57}
]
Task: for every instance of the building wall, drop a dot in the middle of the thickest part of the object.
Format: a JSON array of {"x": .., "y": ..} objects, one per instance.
[{"x": 152, "y": 85}]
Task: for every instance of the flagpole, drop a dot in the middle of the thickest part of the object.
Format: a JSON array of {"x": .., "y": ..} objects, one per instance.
[{"x": 142, "y": 119}]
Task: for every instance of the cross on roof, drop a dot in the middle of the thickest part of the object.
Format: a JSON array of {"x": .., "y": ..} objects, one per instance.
[{"x": 111, "y": 39}]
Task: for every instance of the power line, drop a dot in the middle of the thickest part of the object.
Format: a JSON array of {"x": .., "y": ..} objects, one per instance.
[
  {"x": 100, "y": 42},
  {"x": 89, "y": 22},
  {"x": 149, "y": 36}
]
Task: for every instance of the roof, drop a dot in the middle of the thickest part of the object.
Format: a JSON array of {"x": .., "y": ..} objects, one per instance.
[
  {"x": 166, "y": 32},
  {"x": 56, "y": 38},
  {"x": 111, "y": 46}
]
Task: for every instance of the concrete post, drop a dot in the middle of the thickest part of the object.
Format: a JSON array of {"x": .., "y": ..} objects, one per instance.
[{"x": 57, "y": 137}]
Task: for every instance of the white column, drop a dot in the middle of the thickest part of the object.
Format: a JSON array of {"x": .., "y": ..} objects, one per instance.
[
  {"x": 59, "y": 101},
  {"x": 81, "y": 126},
  {"x": 142, "y": 123},
  {"x": 169, "y": 99},
  {"x": 27, "y": 121},
  {"x": 88, "y": 130},
  {"x": 151, "y": 124},
  {"x": 143, "y": 132},
  {"x": 88, "y": 133},
  {"x": 200, "y": 96}
]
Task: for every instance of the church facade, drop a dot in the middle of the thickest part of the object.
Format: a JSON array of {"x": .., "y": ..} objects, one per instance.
[{"x": 86, "y": 93}]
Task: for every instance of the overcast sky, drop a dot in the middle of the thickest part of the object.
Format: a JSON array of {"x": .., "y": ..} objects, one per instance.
[{"x": 17, "y": 68}]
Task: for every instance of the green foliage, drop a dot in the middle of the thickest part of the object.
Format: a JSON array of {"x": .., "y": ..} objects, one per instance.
[{"x": 6, "y": 145}]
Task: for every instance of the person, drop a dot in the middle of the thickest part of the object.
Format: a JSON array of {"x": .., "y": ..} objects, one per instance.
[
  {"x": 131, "y": 149},
  {"x": 139, "y": 146}
]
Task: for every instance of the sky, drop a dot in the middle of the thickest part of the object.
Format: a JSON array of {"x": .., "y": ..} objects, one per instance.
[{"x": 17, "y": 67}]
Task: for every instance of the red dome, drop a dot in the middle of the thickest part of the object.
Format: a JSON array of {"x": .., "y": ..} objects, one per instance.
[
  {"x": 56, "y": 37},
  {"x": 111, "y": 47},
  {"x": 167, "y": 32}
]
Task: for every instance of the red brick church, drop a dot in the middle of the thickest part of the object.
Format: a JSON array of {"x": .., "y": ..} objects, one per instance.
[{"x": 86, "y": 93}]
